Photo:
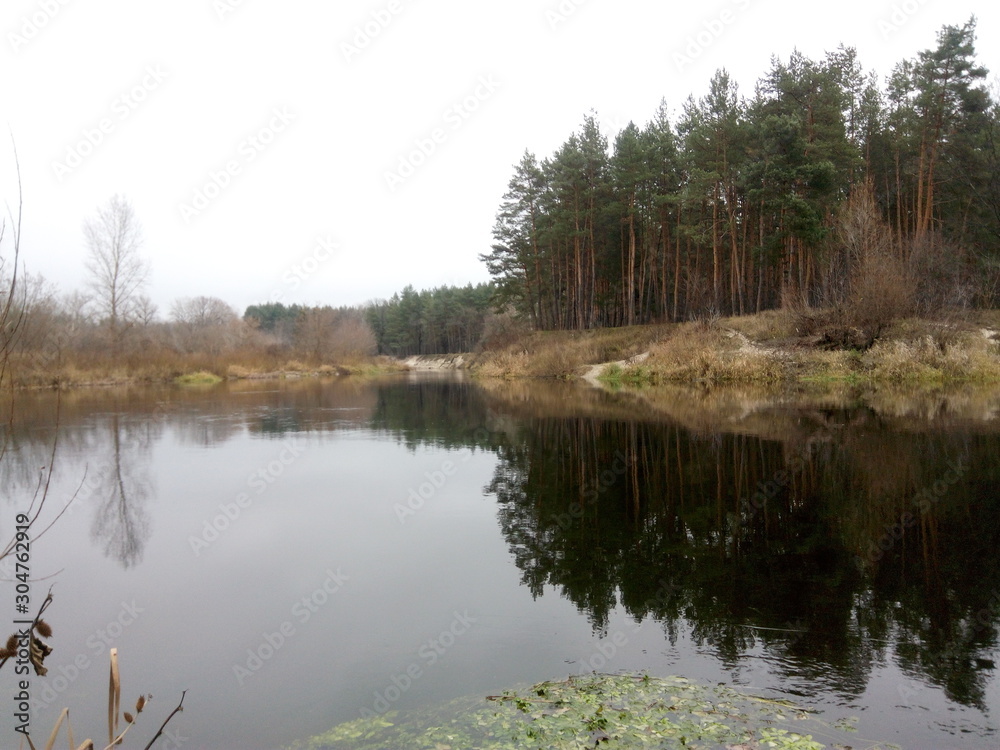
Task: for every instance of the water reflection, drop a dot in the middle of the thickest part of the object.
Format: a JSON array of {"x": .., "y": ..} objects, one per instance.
[
  {"x": 121, "y": 519},
  {"x": 824, "y": 549},
  {"x": 830, "y": 536}
]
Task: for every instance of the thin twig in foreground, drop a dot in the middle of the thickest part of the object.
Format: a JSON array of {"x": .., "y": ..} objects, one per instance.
[{"x": 180, "y": 707}]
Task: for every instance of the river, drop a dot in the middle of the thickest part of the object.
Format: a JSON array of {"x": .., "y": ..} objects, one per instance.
[{"x": 296, "y": 554}]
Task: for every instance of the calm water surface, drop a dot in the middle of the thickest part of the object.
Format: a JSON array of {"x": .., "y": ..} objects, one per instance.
[{"x": 297, "y": 554}]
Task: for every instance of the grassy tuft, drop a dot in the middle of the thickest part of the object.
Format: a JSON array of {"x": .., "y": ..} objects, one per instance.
[{"x": 198, "y": 378}]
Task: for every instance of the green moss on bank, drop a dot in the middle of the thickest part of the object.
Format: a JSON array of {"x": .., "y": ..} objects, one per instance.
[{"x": 198, "y": 378}]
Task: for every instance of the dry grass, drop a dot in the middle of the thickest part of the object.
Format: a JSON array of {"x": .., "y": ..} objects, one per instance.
[
  {"x": 968, "y": 356},
  {"x": 165, "y": 366},
  {"x": 152, "y": 365},
  {"x": 117, "y": 728},
  {"x": 768, "y": 348},
  {"x": 839, "y": 365},
  {"x": 770, "y": 325},
  {"x": 505, "y": 364},
  {"x": 30, "y": 641},
  {"x": 372, "y": 367},
  {"x": 561, "y": 354},
  {"x": 708, "y": 352},
  {"x": 238, "y": 372}
]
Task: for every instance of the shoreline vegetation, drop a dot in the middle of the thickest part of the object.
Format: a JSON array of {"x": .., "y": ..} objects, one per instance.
[
  {"x": 199, "y": 373},
  {"x": 776, "y": 348}
]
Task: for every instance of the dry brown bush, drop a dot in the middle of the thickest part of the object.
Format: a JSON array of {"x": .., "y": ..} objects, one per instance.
[
  {"x": 501, "y": 330},
  {"x": 868, "y": 284}
]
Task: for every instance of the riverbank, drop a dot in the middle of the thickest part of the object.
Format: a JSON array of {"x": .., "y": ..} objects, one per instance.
[
  {"x": 771, "y": 348},
  {"x": 193, "y": 371},
  {"x": 774, "y": 347}
]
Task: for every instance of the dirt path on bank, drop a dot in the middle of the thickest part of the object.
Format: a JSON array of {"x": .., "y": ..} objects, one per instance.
[
  {"x": 594, "y": 372},
  {"x": 430, "y": 363}
]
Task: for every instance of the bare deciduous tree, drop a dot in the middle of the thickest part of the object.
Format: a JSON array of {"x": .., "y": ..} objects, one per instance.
[
  {"x": 199, "y": 312},
  {"x": 145, "y": 310},
  {"x": 324, "y": 333},
  {"x": 205, "y": 324},
  {"x": 117, "y": 271}
]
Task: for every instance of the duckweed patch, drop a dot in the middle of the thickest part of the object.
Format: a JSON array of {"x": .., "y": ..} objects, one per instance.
[{"x": 605, "y": 711}]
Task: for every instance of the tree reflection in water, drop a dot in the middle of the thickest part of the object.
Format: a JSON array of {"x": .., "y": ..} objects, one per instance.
[
  {"x": 794, "y": 545},
  {"x": 121, "y": 520}
]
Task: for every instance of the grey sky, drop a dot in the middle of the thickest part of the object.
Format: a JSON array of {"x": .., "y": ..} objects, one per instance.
[{"x": 334, "y": 152}]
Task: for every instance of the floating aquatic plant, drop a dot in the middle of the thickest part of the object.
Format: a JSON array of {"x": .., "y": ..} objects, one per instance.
[{"x": 613, "y": 711}]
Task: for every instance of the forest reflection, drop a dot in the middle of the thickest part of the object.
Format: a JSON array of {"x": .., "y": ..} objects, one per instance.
[
  {"x": 833, "y": 534},
  {"x": 825, "y": 548}
]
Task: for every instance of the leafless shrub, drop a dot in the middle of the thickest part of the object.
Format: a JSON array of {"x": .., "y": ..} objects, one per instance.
[
  {"x": 945, "y": 276},
  {"x": 500, "y": 330},
  {"x": 869, "y": 285},
  {"x": 324, "y": 333},
  {"x": 205, "y": 324},
  {"x": 882, "y": 291}
]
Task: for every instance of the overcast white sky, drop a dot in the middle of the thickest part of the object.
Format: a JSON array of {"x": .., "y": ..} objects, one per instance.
[{"x": 300, "y": 131}]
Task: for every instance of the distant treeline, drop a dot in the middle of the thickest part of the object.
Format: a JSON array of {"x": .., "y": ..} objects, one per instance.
[
  {"x": 742, "y": 204},
  {"x": 437, "y": 321},
  {"x": 319, "y": 333}
]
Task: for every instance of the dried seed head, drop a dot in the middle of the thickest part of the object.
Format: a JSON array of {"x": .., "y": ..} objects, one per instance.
[
  {"x": 12, "y": 644},
  {"x": 43, "y": 629},
  {"x": 128, "y": 717},
  {"x": 140, "y": 703},
  {"x": 5, "y": 654}
]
